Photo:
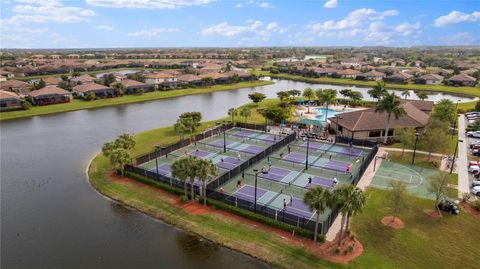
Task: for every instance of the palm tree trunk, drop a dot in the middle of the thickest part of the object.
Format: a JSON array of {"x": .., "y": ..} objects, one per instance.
[
  {"x": 308, "y": 106},
  {"x": 326, "y": 111},
  {"x": 185, "y": 187},
  {"x": 386, "y": 130},
  {"x": 348, "y": 222},
  {"x": 403, "y": 149},
  {"x": 316, "y": 229},
  {"x": 205, "y": 192},
  {"x": 191, "y": 189},
  {"x": 341, "y": 231}
]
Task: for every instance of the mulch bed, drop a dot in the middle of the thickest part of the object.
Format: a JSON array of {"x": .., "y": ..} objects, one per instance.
[
  {"x": 432, "y": 213},
  {"x": 393, "y": 223},
  {"x": 470, "y": 209}
]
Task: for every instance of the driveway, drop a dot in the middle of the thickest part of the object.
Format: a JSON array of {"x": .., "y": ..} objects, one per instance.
[{"x": 463, "y": 178}]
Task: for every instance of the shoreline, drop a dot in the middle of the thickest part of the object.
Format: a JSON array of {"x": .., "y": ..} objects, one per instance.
[{"x": 76, "y": 105}]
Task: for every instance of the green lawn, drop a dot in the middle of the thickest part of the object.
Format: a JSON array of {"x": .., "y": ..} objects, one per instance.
[
  {"x": 449, "y": 150},
  {"x": 467, "y": 91},
  {"x": 80, "y": 104}
]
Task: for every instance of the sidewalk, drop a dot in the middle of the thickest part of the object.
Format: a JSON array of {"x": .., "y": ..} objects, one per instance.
[{"x": 463, "y": 180}]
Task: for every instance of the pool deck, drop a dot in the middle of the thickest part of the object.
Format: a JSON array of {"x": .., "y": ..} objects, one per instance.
[{"x": 302, "y": 110}]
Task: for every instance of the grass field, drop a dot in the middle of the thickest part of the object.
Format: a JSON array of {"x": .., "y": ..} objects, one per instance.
[
  {"x": 80, "y": 104},
  {"x": 467, "y": 91}
]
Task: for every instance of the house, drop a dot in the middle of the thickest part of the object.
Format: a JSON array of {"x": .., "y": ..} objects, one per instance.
[
  {"x": 397, "y": 62},
  {"x": 19, "y": 87},
  {"x": 133, "y": 86},
  {"x": 9, "y": 101},
  {"x": 191, "y": 80},
  {"x": 73, "y": 56},
  {"x": 50, "y": 95},
  {"x": 241, "y": 75},
  {"x": 346, "y": 73},
  {"x": 371, "y": 75},
  {"x": 83, "y": 79},
  {"x": 54, "y": 56},
  {"x": 7, "y": 74},
  {"x": 218, "y": 78},
  {"x": 462, "y": 80},
  {"x": 418, "y": 63},
  {"x": 429, "y": 79},
  {"x": 51, "y": 81},
  {"x": 99, "y": 90},
  {"x": 161, "y": 80},
  {"x": 368, "y": 124},
  {"x": 401, "y": 77}
]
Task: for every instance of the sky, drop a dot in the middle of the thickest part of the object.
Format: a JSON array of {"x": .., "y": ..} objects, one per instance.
[{"x": 217, "y": 23}]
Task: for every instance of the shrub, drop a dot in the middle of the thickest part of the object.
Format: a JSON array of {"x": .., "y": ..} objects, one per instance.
[
  {"x": 90, "y": 96},
  {"x": 26, "y": 105},
  {"x": 476, "y": 204},
  {"x": 350, "y": 249},
  {"x": 337, "y": 250},
  {"x": 183, "y": 198},
  {"x": 466, "y": 196}
]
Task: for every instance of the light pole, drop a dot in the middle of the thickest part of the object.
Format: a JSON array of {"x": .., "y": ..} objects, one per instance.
[
  {"x": 157, "y": 148},
  {"x": 415, "y": 147},
  {"x": 222, "y": 126},
  {"x": 455, "y": 122},
  {"x": 256, "y": 177},
  {"x": 308, "y": 146},
  {"x": 455, "y": 154},
  {"x": 336, "y": 131}
]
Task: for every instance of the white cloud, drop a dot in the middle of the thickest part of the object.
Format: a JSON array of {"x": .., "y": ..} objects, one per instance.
[
  {"x": 353, "y": 19},
  {"x": 43, "y": 11},
  {"x": 457, "y": 17},
  {"x": 20, "y": 36},
  {"x": 253, "y": 29},
  {"x": 104, "y": 27},
  {"x": 148, "y": 4},
  {"x": 331, "y": 4},
  {"x": 238, "y": 5},
  {"x": 153, "y": 32},
  {"x": 265, "y": 5}
]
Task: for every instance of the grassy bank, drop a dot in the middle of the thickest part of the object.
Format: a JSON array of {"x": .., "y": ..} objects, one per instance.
[
  {"x": 127, "y": 99},
  {"x": 467, "y": 91}
]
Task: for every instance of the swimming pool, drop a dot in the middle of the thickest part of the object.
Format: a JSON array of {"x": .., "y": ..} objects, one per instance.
[{"x": 322, "y": 111}]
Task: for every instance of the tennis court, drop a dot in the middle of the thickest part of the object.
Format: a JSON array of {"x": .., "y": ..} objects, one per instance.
[{"x": 415, "y": 178}]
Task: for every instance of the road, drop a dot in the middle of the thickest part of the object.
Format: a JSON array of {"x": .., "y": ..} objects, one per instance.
[{"x": 463, "y": 180}]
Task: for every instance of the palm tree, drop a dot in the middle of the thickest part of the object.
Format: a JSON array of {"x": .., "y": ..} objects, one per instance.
[
  {"x": 421, "y": 95},
  {"x": 405, "y": 94},
  {"x": 378, "y": 90},
  {"x": 119, "y": 157},
  {"x": 326, "y": 96},
  {"x": 189, "y": 124},
  {"x": 205, "y": 169},
  {"x": 180, "y": 128},
  {"x": 350, "y": 201},
  {"x": 317, "y": 199},
  {"x": 232, "y": 112},
  {"x": 245, "y": 112},
  {"x": 108, "y": 147},
  {"x": 390, "y": 104},
  {"x": 308, "y": 93},
  {"x": 126, "y": 141},
  {"x": 180, "y": 169},
  {"x": 119, "y": 88},
  {"x": 192, "y": 172}
]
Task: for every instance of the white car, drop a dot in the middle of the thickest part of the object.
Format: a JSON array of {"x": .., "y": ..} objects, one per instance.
[
  {"x": 473, "y": 169},
  {"x": 476, "y": 190},
  {"x": 475, "y": 183},
  {"x": 475, "y": 134}
]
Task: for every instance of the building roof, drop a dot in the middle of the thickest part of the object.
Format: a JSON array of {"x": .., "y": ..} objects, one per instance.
[
  {"x": 238, "y": 73},
  {"x": 400, "y": 75},
  {"x": 348, "y": 72},
  {"x": 131, "y": 83},
  {"x": 83, "y": 79},
  {"x": 189, "y": 78},
  {"x": 213, "y": 75},
  {"x": 13, "y": 83},
  {"x": 8, "y": 95},
  {"x": 425, "y": 106},
  {"x": 90, "y": 87},
  {"x": 431, "y": 77},
  {"x": 373, "y": 73},
  {"x": 463, "y": 77},
  {"x": 158, "y": 75},
  {"x": 48, "y": 90},
  {"x": 51, "y": 80},
  {"x": 368, "y": 119}
]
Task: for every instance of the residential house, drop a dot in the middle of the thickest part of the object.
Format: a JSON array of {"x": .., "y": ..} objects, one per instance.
[
  {"x": 7, "y": 74},
  {"x": 19, "y": 87},
  {"x": 429, "y": 79},
  {"x": 241, "y": 75},
  {"x": 346, "y": 73},
  {"x": 50, "y": 95},
  {"x": 100, "y": 91},
  {"x": 218, "y": 78},
  {"x": 161, "y": 80},
  {"x": 9, "y": 100},
  {"x": 462, "y": 80},
  {"x": 401, "y": 77},
  {"x": 397, "y": 62},
  {"x": 54, "y": 56},
  {"x": 191, "y": 80},
  {"x": 368, "y": 124},
  {"x": 83, "y": 79},
  {"x": 371, "y": 75},
  {"x": 133, "y": 86},
  {"x": 73, "y": 56}
]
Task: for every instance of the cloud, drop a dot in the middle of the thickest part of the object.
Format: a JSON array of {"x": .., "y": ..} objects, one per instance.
[
  {"x": 43, "y": 11},
  {"x": 148, "y": 4},
  {"x": 152, "y": 32},
  {"x": 353, "y": 19},
  {"x": 16, "y": 37},
  {"x": 104, "y": 27},
  {"x": 265, "y": 5},
  {"x": 238, "y": 5},
  {"x": 331, "y": 4},
  {"x": 250, "y": 30},
  {"x": 457, "y": 17}
]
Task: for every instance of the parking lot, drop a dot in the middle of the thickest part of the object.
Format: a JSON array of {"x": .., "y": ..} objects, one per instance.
[{"x": 472, "y": 143}]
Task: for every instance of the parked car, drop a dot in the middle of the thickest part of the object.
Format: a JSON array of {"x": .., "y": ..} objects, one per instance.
[
  {"x": 475, "y": 134},
  {"x": 449, "y": 206},
  {"x": 474, "y": 169},
  {"x": 473, "y": 163},
  {"x": 475, "y": 183},
  {"x": 476, "y": 191}
]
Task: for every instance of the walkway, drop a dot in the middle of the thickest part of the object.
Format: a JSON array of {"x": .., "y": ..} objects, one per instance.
[{"x": 463, "y": 181}]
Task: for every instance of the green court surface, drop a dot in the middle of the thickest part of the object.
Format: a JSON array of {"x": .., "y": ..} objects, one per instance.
[{"x": 415, "y": 178}]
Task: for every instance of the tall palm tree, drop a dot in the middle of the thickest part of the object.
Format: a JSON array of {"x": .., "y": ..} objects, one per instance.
[
  {"x": 108, "y": 147},
  {"x": 232, "y": 112},
  {"x": 245, "y": 112},
  {"x": 180, "y": 170},
  {"x": 405, "y": 94},
  {"x": 308, "y": 93},
  {"x": 317, "y": 199},
  {"x": 119, "y": 157},
  {"x": 378, "y": 90},
  {"x": 126, "y": 141},
  {"x": 389, "y": 104},
  {"x": 119, "y": 88},
  {"x": 180, "y": 128},
  {"x": 421, "y": 95},
  {"x": 326, "y": 96},
  {"x": 192, "y": 172},
  {"x": 190, "y": 124},
  {"x": 350, "y": 201},
  {"x": 205, "y": 169}
]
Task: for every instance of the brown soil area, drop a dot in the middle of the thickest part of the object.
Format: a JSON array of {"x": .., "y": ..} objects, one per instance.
[
  {"x": 470, "y": 209},
  {"x": 432, "y": 213},
  {"x": 324, "y": 250},
  {"x": 393, "y": 223}
]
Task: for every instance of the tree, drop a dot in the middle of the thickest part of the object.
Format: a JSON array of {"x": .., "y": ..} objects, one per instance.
[
  {"x": 276, "y": 113},
  {"x": 317, "y": 199},
  {"x": 180, "y": 170},
  {"x": 90, "y": 96},
  {"x": 125, "y": 141},
  {"x": 191, "y": 171},
  {"x": 205, "y": 169},
  {"x": 421, "y": 95},
  {"x": 477, "y": 106},
  {"x": 389, "y": 104},
  {"x": 444, "y": 110},
  {"x": 405, "y": 94},
  {"x": 119, "y": 88},
  {"x": 108, "y": 79},
  {"x": 180, "y": 128},
  {"x": 64, "y": 78},
  {"x": 356, "y": 96},
  {"x": 136, "y": 76},
  {"x": 208, "y": 81},
  {"x": 196, "y": 116},
  {"x": 396, "y": 199},
  {"x": 406, "y": 136},
  {"x": 108, "y": 147},
  {"x": 64, "y": 85},
  {"x": 326, "y": 96},
  {"x": 41, "y": 84},
  {"x": 350, "y": 201},
  {"x": 189, "y": 124},
  {"x": 75, "y": 74},
  {"x": 475, "y": 125},
  {"x": 245, "y": 112},
  {"x": 346, "y": 93},
  {"x": 282, "y": 95},
  {"x": 438, "y": 186},
  {"x": 294, "y": 92},
  {"x": 119, "y": 157},
  {"x": 257, "y": 97},
  {"x": 308, "y": 93},
  {"x": 378, "y": 90},
  {"x": 434, "y": 140},
  {"x": 232, "y": 112}
]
